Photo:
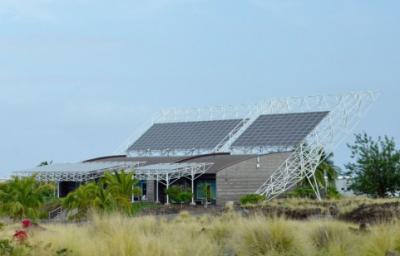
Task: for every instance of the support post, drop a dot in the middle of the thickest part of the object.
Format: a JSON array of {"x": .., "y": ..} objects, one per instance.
[
  {"x": 192, "y": 179},
  {"x": 157, "y": 199},
  {"x": 58, "y": 189},
  {"x": 133, "y": 194},
  {"x": 318, "y": 194},
  {"x": 326, "y": 183},
  {"x": 314, "y": 187},
  {"x": 167, "y": 186},
  {"x": 133, "y": 189}
]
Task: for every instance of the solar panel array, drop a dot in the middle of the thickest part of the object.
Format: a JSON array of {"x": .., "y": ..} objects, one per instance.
[
  {"x": 185, "y": 135},
  {"x": 279, "y": 129}
]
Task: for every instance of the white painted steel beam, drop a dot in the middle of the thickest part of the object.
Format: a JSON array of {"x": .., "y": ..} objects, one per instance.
[{"x": 345, "y": 111}]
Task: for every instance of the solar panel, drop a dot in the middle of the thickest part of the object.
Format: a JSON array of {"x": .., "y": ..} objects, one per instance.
[
  {"x": 185, "y": 135},
  {"x": 279, "y": 129}
]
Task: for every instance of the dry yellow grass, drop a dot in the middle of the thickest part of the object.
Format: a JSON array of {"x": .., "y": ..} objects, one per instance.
[
  {"x": 344, "y": 205},
  {"x": 228, "y": 234}
]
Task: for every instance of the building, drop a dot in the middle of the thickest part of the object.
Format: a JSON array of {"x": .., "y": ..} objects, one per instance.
[
  {"x": 343, "y": 185},
  {"x": 228, "y": 177},
  {"x": 264, "y": 148},
  {"x": 3, "y": 179}
]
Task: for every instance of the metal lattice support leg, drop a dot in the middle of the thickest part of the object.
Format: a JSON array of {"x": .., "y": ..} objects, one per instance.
[
  {"x": 157, "y": 185},
  {"x": 133, "y": 195},
  {"x": 314, "y": 185},
  {"x": 345, "y": 111},
  {"x": 192, "y": 180},
  {"x": 167, "y": 187}
]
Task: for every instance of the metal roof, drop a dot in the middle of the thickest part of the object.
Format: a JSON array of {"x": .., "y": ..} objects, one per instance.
[
  {"x": 168, "y": 167},
  {"x": 220, "y": 160},
  {"x": 170, "y": 171},
  {"x": 75, "y": 171},
  {"x": 147, "y": 159},
  {"x": 77, "y": 167},
  {"x": 279, "y": 130}
]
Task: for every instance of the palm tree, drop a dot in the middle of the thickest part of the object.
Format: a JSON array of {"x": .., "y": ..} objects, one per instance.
[
  {"x": 82, "y": 199},
  {"x": 24, "y": 197},
  {"x": 326, "y": 172},
  {"x": 325, "y": 177},
  {"x": 112, "y": 192},
  {"x": 120, "y": 183}
]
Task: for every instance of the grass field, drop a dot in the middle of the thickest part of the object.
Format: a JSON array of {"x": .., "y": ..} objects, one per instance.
[
  {"x": 228, "y": 234},
  {"x": 357, "y": 209}
]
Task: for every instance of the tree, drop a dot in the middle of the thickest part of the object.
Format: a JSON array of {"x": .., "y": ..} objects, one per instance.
[
  {"x": 45, "y": 163},
  {"x": 24, "y": 197},
  {"x": 121, "y": 184},
  {"x": 376, "y": 167},
  {"x": 325, "y": 177},
  {"x": 328, "y": 169},
  {"x": 83, "y": 199},
  {"x": 113, "y": 192}
]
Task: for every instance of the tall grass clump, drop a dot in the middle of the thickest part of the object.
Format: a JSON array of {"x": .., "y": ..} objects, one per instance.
[
  {"x": 185, "y": 234},
  {"x": 333, "y": 238},
  {"x": 383, "y": 240},
  {"x": 259, "y": 236}
]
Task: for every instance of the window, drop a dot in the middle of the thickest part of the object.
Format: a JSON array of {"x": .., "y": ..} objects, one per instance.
[{"x": 206, "y": 188}]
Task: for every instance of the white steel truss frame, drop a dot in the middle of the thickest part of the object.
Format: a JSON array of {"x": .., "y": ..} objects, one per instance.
[
  {"x": 345, "y": 111},
  {"x": 248, "y": 114},
  {"x": 76, "y": 176},
  {"x": 174, "y": 171},
  {"x": 168, "y": 173},
  {"x": 164, "y": 173}
]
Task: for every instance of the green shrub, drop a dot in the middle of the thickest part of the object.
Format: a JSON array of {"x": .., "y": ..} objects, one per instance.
[
  {"x": 185, "y": 196},
  {"x": 302, "y": 192},
  {"x": 179, "y": 195},
  {"x": 251, "y": 199},
  {"x": 6, "y": 247},
  {"x": 173, "y": 193}
]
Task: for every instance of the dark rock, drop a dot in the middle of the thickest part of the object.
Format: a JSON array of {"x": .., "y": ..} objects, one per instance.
[
  {"x": 392, "y": 253},
  {"x": 373, "y": 213},
  {"x": 333, "y": 210},
  {"x": 364, "y": 227}
]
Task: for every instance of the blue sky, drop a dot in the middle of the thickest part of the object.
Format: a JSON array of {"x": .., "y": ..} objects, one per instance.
[{"x": 79, "y": 77}]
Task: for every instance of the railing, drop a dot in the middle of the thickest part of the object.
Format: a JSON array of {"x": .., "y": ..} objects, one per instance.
[
  {"x": 56, "y": 212},
  {"x": 222, "y": 143}
]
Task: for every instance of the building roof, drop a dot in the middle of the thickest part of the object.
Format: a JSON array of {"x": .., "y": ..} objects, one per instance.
[
  {"x": 146, "y": 159},
  {"x": 220, "y": 160},
  {"x": 75, "y": 171}
]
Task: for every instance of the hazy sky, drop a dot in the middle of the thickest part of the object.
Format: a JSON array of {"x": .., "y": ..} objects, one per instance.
[{"x": 79, "y": 77}]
